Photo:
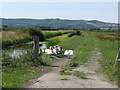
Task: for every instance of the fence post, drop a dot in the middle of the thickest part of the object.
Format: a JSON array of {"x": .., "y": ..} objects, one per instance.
[
  {"x": 36, "y": 46},
  {"x": 117, "y": 64},
  {"x": 119, "y": 73}
]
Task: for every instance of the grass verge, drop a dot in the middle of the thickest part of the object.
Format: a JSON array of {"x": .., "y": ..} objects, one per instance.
[
  {"x": 82, "y": 47},
  {"x": 109, "y": 51}
]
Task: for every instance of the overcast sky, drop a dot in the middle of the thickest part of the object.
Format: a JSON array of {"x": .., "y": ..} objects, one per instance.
[{"x": 103, "y": 11}]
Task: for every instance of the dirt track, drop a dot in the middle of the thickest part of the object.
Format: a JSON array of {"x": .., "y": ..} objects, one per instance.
[{"x": 95, "y": 80}]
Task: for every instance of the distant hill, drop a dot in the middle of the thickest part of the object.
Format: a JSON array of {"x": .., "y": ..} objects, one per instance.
[{"x": 57, "y": 23}]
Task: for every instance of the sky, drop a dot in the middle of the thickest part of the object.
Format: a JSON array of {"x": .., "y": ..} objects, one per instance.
[{"x": 74, "y": 10}]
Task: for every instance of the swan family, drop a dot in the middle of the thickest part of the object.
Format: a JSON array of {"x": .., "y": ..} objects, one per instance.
[{"x": 55, "y": 50}]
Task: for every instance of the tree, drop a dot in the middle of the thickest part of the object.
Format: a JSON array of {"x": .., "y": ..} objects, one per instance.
[{"x": 37, "y": 36}]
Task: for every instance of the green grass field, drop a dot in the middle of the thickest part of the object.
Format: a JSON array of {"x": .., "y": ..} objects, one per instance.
[
  {"x": 109, "y": 50},
  {"x": 82, "y": 47},
  {"x": 14, "y": 38}
]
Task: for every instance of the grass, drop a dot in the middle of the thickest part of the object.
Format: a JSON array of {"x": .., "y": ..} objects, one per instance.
[
  {"x": 10, "y": 38},
  {"x": 11, "y": 29},
  {"x": 81, "y": 75},
  {"x": 53, "y": 42},
  {"x": 18, "y": 71},
  {"x": 64, "y": 79},
  {"x": 18, "y": 76},
  {"x": 65, "y": 73},
  {"x": 82, "y": 47},
  {"x": 14, "y": 38},
  {"x": 109, "y": 51}
]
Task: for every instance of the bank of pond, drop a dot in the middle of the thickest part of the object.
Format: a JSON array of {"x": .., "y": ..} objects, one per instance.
[{"x": 10, "y": 38}]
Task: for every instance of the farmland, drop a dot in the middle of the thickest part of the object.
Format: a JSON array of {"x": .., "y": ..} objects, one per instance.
[
  {"x": 20, "y": 70},
  {"x": 11, "y": 38}
]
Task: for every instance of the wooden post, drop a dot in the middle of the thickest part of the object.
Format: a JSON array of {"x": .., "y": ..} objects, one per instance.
[
  {"x": 117, "y": 64},
  {"x": 118, "y": 73},
  {"x": 117, "y": 58},
  {"x": 36, "y": 46}
]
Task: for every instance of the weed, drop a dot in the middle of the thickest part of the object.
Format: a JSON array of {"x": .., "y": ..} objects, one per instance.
[
  {"x": 17, "y": 38},
  {"x": 73, "y": 63},
  {"x": 53, "y": 42},
  {"x": 81, "y": 75},
  {"x": 64, "y": 79},
  {"x": 109, "y": 51},
  {"x": 65, "y": 73}
]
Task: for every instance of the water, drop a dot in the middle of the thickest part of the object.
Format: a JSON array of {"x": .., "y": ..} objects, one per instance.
[{"x": 17, "y": 53}]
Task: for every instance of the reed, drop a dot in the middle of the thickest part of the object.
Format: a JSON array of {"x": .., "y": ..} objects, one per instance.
[{"x": 10, "y": 38}]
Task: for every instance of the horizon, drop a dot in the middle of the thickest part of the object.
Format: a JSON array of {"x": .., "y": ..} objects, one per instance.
[
  {"x": 100, "y": 11},
  {"x": 60, "y": 19}
]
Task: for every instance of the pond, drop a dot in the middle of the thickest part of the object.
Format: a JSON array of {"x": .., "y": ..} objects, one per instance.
[{"x": 15, "y": 52}]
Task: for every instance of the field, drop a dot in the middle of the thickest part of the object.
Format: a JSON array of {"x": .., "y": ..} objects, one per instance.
[
  {"x": 109, "y": 49},
  {"x": 11, "y": 38},
  {"x": 19, "y": 71}
]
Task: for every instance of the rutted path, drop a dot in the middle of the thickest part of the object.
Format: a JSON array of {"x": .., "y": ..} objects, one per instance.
[{"x": 95, "y": 80}]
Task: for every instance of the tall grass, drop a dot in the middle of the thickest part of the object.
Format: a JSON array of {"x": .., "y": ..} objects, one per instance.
[
  {"x": 53, "y": 42},
  {"x": 14, "y": 38},
  {"x": 82, "y": 47},
  {"x": 109, "y": 51},
  {"x": 17, "y": 38},
  {"x": 54, "y": 34}
]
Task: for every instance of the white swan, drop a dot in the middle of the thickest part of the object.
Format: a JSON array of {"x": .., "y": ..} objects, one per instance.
[
  {"x": 68, "y": 53},
  {"x": 43, "y": 47},
  {"x": 48, "y": 51}
]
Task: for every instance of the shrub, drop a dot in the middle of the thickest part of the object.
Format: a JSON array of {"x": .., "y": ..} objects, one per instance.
[
  {"x": 75, "y": 33},
  {"x": 81, "y": 75},
  {"x": 52, "y": 34},
  {"x": 64, "y": 79},
  {"x": 73, "y": 63},
  {"x": 78, "y": 33},
  {"x": 14, "y": 38},
  {"x": 17, "y": 38},
  {"x": 24, "y": 59},
  {"x": 34, "y": 31},
  {"x": 53, "y": 42},
  {"x": 65, "y": 73}
]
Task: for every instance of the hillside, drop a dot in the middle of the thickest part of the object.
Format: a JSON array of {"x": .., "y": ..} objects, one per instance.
[{"x": 58, "y": 23}]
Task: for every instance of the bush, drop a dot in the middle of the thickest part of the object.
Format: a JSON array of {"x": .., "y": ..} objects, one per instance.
[
  {"x": 24, "y": 59},
  {"x": 75, "y": 33},
  {"x": 52, "y": 34},
  {"x": 73, "y": 63},
  {"x": 78, "y": 33},
  {"x": 17, "y": 38},
  {"x": 34, "y": 31},
  {"x": 53, "y": 42}
]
